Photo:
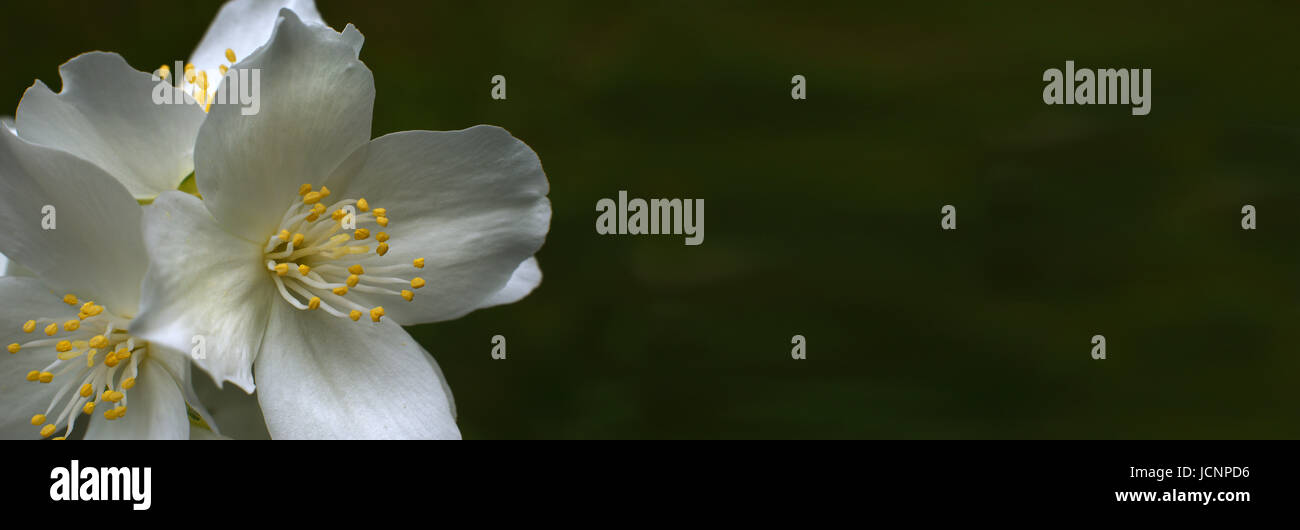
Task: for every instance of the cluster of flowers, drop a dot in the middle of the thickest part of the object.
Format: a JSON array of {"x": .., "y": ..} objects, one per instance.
[{"x": 298, "y": 250}]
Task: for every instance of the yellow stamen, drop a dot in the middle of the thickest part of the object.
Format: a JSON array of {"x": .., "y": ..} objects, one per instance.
[
  {"x": 71, "y": 325},
  {"x": 110, "y": 414},
  {"x": 298, "y": 239},
  {"x": 69, "y": 299},
  {"x": 89, "y": 408},
  {"x": 418, "y": 263},
  {"x": 304, "y": 270},
  {"x": 164, "y": 72},
  {"x": 46, "y": 377},
  {"x": 362, "y": 205},
  {"x": 353, "y": 280},
  {"x": 230, "y": 55},
  {"x": 281, "y": 269},
  {"x": 283, "y": 235},
  {"x": 38, "y": 419},
  {"x": 304, "y": 189},
  {"x": 314, "y": 303},
  {"x": 408, "y": 295},
  {"x": 361, "y": 233},
  {"x": 383, "y": 221},
  {"x": 128, "y": 383},
  {"x": 29, "y": 326},
  {"x": 376, "y": 313},
  {"x": 340, "y": 291},
  {"x": 381, "y": 249},
  {"x": 354, "y": 315},
  {"x": 63, "y": 346},
  {"x": 224, "y": 69},
  {"x": 312, "y": 197},
  {"x": 51, "y": 329},
  {"x": 417, "y": 283},
  {"x": 381, "y": 237},
  {"x": 356, "y": 269},
  {"x": 98, "y": 341},
  {"x": 47, "y": 430},
  {"x": 381, "y": 212},
  {"x": 14, "y": 347},
  {"x": 86, "y": 390},
  {"x": 33, "y": 375}
]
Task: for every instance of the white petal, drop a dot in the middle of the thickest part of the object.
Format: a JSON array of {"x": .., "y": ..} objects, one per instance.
[
  {"x": 106, "y": 114},
  {"x": 322, "y": 377},
  {"x": 243, "y": 26},
  {"x": 525, "y": 278},
  {"x": 25, "y": 299},
  {"x": 155, "y": 409},
  {"x": 203, "y": 283},
  {"x": 471, "y": 202},
  {"x": 8, "y": 123},
  {"x": 94, "y": 249},
  {"x": 314, "y": 110}
]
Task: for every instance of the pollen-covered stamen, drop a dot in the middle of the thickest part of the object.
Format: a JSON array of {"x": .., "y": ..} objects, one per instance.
[
  {"x": 312, "y": 256},
  {"x": 195, "y": 82},
  {"x": 109, "y": 370}
]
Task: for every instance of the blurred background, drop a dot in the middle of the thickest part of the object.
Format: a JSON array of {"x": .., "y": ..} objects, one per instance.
[{"x": 822, "y": 215}]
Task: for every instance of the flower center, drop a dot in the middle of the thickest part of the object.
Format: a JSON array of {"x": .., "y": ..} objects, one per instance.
[
  {"x": 311, "y": 257},
  {"x": 112, "y": 360},
  {"x": 197, "y": 80}
]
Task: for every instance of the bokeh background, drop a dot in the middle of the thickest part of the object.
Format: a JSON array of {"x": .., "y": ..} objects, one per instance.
[{"x": 822, "y": 216}]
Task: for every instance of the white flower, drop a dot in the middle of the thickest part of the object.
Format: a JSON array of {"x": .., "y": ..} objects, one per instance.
[
  {"x": 240, "y": 27},
  {"x": 446, "y": 223},
  {"x": 65, "y": 328}
]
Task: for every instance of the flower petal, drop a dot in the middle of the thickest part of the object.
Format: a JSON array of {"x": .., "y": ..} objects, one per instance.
[
  {"x": 94, "y": 248},
  {"x": 319, "y": 377},
  {"x": 525, "y": 278},
  {"x": 235, "y": 412},
  {"x": 155, "y": 409},
  {"x": 471, "y": 202},
  {"x": 25, "y": 299},
  {"x": 203, "y": 282},
  {"x": 243, "y": 26},
  {"x": 106, "y": 115},
  {"x": 314, "y": 110}
]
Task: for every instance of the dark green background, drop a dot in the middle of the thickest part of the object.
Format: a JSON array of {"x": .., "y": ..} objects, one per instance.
[{"x": 822, "y": 216}]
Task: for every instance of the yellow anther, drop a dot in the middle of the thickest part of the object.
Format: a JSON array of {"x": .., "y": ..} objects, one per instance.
[
  {"x": 362, "y": 205},
  {"x": 304, "y": 189},
  {"x": 128, "y": 383},
  {"x": 338, "y": 215},
  {"x": 356, "y": 269},
  {"x": 381, "y": 249},
  {"x": 361, "y": 233},
  {"x": 29, "y": 326},
  {"x": 110, "y": 414},
  {"x": 313, "y": 303},
  {"x": 189, "y": 73},
  {"x": 47, "y": 430},
  {"x": 281, "y": 269},
  {"x": 381, "y": 212},
  {"x": 63, "y": 346},
  {"x": 98, "y": 341},
  {"x": 324, "y": 192},
  {"x": 298, "y": 239},
  {"x": 90, "y": 357},
  {"x": 383, "y": 221},
  {"x": 70, "y": 299},
  {"x": 381, "y": 237},
  {"x": 417, "y": 283},
  {"x": 86, "y": 307},
  {"x": 189, "y": 67},
  {"x": 95, "y": 310},
  {"x": 38, "y": 419},
  {"x": 111, "y": 360},
  {"x": 408, "y": 295},
  {"x": 230, "y": 55},
  {"x": 33, "y": 375},
  {"x": 51, "y": 329},
  {"x": 376, "y": 314},
  {"x": 313, "y": 217},
  {"x": 14, "y": 347},
  {"x": 312, "y": 197},
  {"x": 418, "y": 263},
  {"x": 120, "y": 410},
  {"x": 123, "y": 355},
  {"x": 58, "y": 438},
  {"x": 318, "y": 209},
  {"x": 352, "y": 280},
  {"x": 89, "y": 408},
  {"x": 203, "y": 85},
  {"x": 224, "y": 69},
  {"x": 164, "y": 72},
  {"x": 340, "y": 291},
  {"x": 283, "y": 235},
  {"x": 46, "y": 377},
  {"x": 115, "y": 396},
  {"x": 304, "y": 270},
  {"x": 86, "y": 390},
  {"x": 354, "y": 315},
  {"x": 71, "y": 325}
]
